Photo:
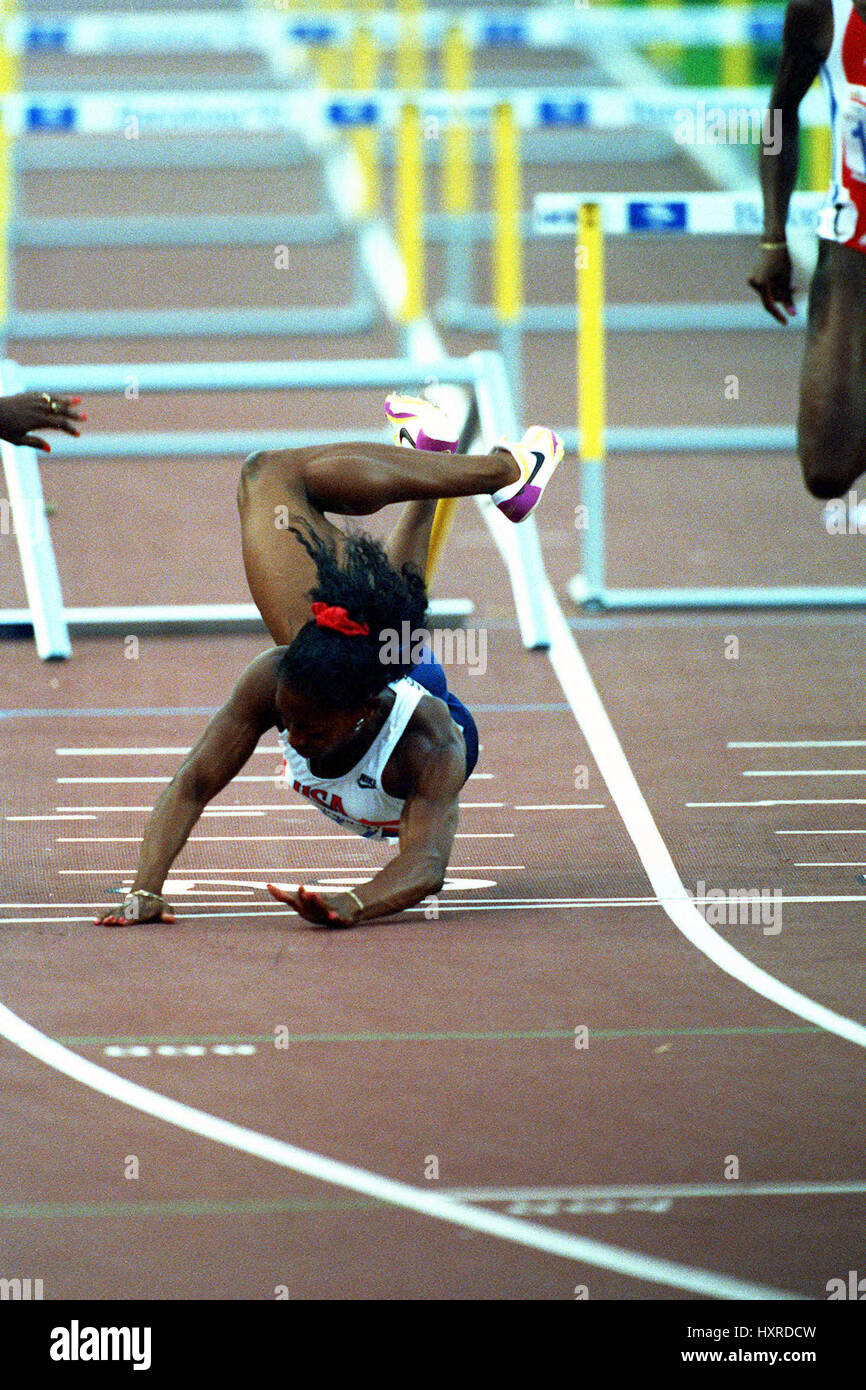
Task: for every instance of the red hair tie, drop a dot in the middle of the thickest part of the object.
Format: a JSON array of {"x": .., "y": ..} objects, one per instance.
[{"x": 338, "y": 619}]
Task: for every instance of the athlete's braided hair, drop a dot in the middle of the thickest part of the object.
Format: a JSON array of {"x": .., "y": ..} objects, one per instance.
[{"x": 341, "y": 672}]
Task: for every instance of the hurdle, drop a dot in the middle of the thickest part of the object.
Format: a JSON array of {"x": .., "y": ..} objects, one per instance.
[
  {"x": 682, "y": 114},
  {"x": 46, "y": 614},
  {"x": 615, "y": 214}
]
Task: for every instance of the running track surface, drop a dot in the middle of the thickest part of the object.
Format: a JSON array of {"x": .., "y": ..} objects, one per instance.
[{"x": 440, "y": 1044}]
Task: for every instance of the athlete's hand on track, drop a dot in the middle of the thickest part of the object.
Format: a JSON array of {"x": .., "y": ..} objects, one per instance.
[
  {"x": 322, "y": 909},
  {"x": 34, "y": 411},
  {"x": 771, "y": 280},
  {"x": 136, "y": 908}
]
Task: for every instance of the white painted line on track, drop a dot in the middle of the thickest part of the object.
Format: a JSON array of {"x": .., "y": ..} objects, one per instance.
[
  {"x": 831, "y": 864},
  {"x": 344, "y": 1175},
  {"x": 806, "y": 772},
  {"x": 164, "y": 781},
  {"x": 257, "y": 872},
  {"x": 649, "y": 1191},
  {"x": 284, "y": 807},
  {"x": 795, "y": 801},
  {"x": 805, "y": 743},
  {"x": 258, "y": 839},
  {"x": 565, "y": 806},
  {"x": 605, "y": 747},
  {"x": 819, "y": 832},
  {"x": 54, "y": 817}
]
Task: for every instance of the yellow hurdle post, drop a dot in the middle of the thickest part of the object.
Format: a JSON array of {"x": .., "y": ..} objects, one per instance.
[
  {"x": 409, "y": 57},
  {"x": 456, "y": 180},
  {"x": 591, "y": 405},
  {"x": 365, "y": 76},
  {"x": 409, "y": 209},
  {"x": 9, "y": 81},
  {"x": 507, "y": 242},
  {"x": 737, "y": 59}
]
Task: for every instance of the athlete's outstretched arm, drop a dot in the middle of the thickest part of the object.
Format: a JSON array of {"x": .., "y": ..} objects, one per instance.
[
  {"x": 225, "y": 746},
  {"x": 806, "y": 41},
  {"x": 436, "y": 763}
]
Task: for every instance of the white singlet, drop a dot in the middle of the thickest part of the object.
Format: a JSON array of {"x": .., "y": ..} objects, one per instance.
[
  {"x": 357, "y": 799},
  {"x": 843, "y": 216}
]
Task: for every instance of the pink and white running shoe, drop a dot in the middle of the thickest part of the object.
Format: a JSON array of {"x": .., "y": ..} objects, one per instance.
[
  {"x": 419, "y": 424},
  {"x": 538, "y": 454}
]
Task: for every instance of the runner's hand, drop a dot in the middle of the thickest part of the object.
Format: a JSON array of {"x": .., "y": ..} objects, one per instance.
[
  {"x": 771, "y": 281},
  {"x": 135, "y": 908},
  {"x": 322, "y": 909},
  {"x": 32, "y": 410}
]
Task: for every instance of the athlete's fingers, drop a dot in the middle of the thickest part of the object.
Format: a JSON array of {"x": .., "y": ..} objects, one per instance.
[
  {"x": 34, "y": 441},
  {"x": 762, "y": 289},
  {"x": 280, "y": 894}
]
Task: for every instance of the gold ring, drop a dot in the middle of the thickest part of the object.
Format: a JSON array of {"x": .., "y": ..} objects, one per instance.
[
  {"x": 46, "y": 398},
  {"x": 54, "y": 405}
]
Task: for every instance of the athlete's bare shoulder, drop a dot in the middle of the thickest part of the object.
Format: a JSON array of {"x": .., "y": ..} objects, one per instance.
[
  {"x": 431, "y": 751},
  {"x": 255, "y": 693}
]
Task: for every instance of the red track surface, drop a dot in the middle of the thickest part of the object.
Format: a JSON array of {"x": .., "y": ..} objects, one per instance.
[{"x": 451, "y": 1038}]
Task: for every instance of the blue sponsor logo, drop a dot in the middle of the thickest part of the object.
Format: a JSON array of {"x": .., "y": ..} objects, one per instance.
[
  {"x": 311, "y": 32},
  {"x": 49, "y": 118},
  {"x": 659, "y": 215},
  {"x": 764, "y": 30},
  {"x": 563, "y": 112},
  {"x": 504, "y": 31},
  {"x": 40, "y": 37},
  {"x": 352, "y": 113}
]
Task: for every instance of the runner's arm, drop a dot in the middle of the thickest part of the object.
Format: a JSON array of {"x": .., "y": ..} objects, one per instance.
[
  {"x": 225, "y": 746},
  {"x": 435, "y": 760},
  {"x": 806, "y": 41}
]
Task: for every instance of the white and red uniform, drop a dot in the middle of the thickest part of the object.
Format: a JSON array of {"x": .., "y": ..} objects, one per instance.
[
  {"x": 357, "y": 799},
  {"x": 843, "y": 216}
]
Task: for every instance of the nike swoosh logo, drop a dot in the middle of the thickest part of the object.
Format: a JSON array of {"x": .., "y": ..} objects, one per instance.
[
  {"x": 539, "y": 462},
  {"x": 404, "y": 434}
]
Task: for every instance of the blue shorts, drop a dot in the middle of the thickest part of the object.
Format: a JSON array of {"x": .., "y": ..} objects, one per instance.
[{"x": 431, "y": 675}]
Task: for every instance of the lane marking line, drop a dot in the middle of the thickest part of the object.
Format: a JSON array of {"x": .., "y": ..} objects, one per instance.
[
  {"x": 794, "y": 801},
  {"x": 807, "y": 772},
  {"x": 805, "y": 743},
  {"x": 438, "y": 1206},
  {"x": 264, "y": 1206},
  {"x": 605, "y": 747}
]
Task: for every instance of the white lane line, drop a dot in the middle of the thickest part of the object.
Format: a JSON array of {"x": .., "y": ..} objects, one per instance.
[
  {"x": 831, "y": 864},
  {"x": 565, "y": 806},
  {"x": 55, "y": 817},
  {"x": 345, "y": 1175},
  {"x": 792, "y": 801},
  {"x": 271, "y": 781},
  {"x": 258, "y": 810},
  {"x": 650, "y": 1191},
  {"x": 151, "y": 751},
  {"x": 600, "y": 735},
  {"x": 258, "y": 839},
  {"x": 248, "y": 909},
  {"x": 806, "y": 743},
  {"x": 807, "y": 772},
  {"x": 256, "y": 872},
  {"x": 819, "y": 832}
]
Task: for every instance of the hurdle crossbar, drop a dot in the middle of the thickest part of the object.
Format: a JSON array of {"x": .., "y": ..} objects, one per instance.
[
  {"x": 689, "y": 112},
  {"x": 537, "y": 27},
  {"x": 616, "y": 214},
  {"x": 46, "y": 614}
]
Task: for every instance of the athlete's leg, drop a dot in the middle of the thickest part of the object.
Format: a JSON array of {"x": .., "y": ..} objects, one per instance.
[
  {"x": 356, "y": 479},
  {"x": 831, "y": 428},
  {"x": 351, "y": 479},
  {"x": 409, "y": 541}
]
